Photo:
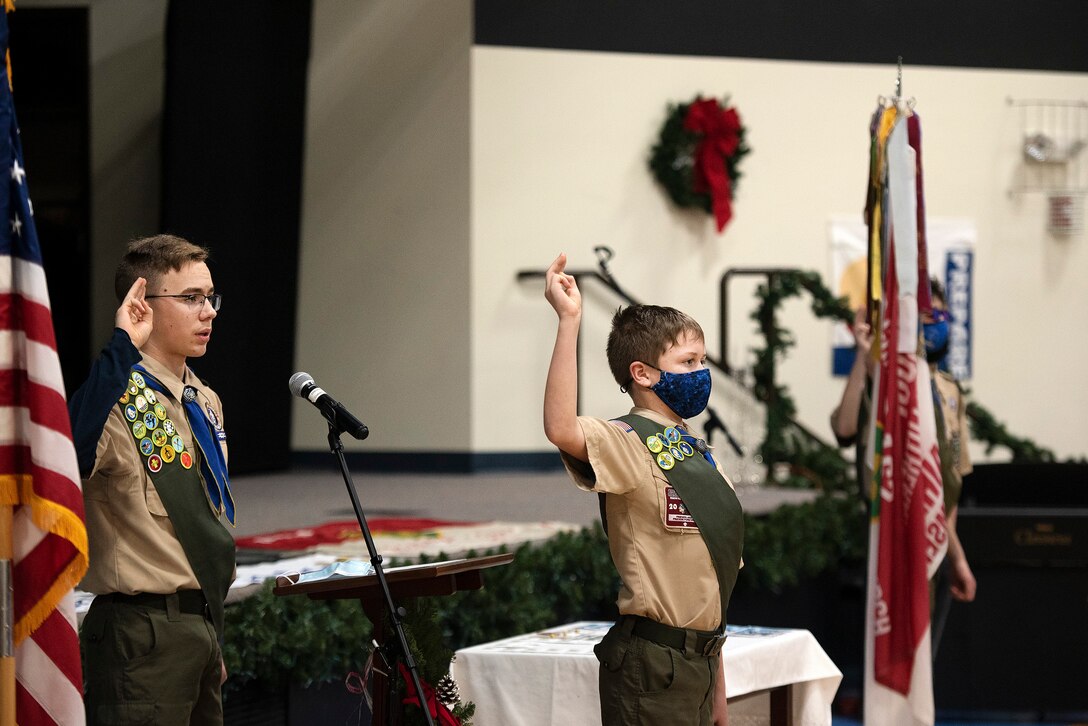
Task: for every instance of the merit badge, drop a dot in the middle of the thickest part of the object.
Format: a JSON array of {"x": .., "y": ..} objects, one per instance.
[
  {"x": 676, "y": 453},
  {"x": 189, "y": 394},
  {"x": 672, "y": 435},
  {"x": 150, "y": 421},
  {"x": 685, "y": 448},
  {"x": 150, "y": 396},
  {"x": 168, "y": 454},
  {"x": 125, "y": 397},
  {"x": 138, "y": 380},
  {"x": 178, "y": 444},
  {"x": 186, "y": 459},
  {"x": 160, "y": 411},
  {"x": 158, "y": 437},
  {"x": 154, "y": 463},
  {"x": 133, "y": 388},
  {"x": 168, "y": 427},
  {"x": 665, "y": 460},
  {"x": 131, "y": 413},
  {"x": 139, "y": 430},
  {"x": 146, "y": 447},
  {"x": 141, "y": 404},
  {"x": 654, "y": 444}
]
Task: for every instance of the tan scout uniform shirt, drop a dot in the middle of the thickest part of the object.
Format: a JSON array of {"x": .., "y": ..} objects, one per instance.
[
  {"x": 667, "y": 572},
  {"x": 954, "y": 411},
  {"x": 133, "y": 547}
]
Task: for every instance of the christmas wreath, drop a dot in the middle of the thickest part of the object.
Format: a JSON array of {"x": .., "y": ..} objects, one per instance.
[{"x": 697, "y": 155}]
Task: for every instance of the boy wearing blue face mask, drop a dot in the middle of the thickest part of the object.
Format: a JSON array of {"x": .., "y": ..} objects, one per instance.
[
  {"x": 851, "y": 416},
  {"x": 674, "y": 525},
  {"x": 955, "y": 578}
]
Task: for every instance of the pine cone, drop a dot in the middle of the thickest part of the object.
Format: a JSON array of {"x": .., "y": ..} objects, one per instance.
[{"x": 447, "y": 692}]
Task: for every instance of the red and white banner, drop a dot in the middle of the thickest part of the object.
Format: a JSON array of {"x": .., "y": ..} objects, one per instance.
[{"x": 908, "y": 536}]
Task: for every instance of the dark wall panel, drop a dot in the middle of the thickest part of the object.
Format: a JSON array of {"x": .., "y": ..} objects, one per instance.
[
  {"x": 1043, "y": 35},
  {"x": 232, "y": 178},
  {"x": 51, "y": 81}
]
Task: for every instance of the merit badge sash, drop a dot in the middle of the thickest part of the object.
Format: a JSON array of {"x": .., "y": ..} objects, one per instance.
[
  {"x": 207, "y": 544},
  {"x": 705, "y": 498},
  {"x": 213, "y": 465}
]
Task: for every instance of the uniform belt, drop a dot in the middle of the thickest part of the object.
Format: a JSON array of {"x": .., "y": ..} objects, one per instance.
[
  {"x": 682, "y": 639},
  {"x": 191, "y": 602}
]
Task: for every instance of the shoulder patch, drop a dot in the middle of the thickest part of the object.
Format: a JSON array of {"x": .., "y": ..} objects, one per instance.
[{"x": 622, "y": 425}]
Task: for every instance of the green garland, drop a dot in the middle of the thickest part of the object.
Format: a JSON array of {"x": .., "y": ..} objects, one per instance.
[
  {"x": 672, "y": 159},
  {"x": 277, "y": 641},
  {"x": 812, "y": 463},
  {"x": 795, "y": 542}
]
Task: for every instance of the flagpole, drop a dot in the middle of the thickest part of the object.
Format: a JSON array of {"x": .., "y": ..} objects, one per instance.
[{"x": 7, "y": 626}]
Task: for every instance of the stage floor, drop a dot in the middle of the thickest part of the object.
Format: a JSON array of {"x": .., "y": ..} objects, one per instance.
[{"x": 268, "y": 502}]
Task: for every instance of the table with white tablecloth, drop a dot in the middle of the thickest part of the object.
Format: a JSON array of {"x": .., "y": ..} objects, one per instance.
[{"x": 550, "y": 677}]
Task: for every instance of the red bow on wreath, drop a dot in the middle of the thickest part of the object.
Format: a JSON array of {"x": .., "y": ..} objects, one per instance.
[
  {"x": 720, "y": 129},
  {"x": 439, "y": 712}
]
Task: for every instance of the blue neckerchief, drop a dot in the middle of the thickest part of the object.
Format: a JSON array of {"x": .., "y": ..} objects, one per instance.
[
  {"x": 691, "y": 440},
  {"x": 212, "y": 466}
]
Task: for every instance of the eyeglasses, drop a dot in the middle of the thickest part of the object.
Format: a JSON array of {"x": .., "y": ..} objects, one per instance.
[{"x": 195, "y": 299}]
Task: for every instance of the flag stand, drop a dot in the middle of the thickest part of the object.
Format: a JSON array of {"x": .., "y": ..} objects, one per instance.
[{"x": 7, "y": 624}]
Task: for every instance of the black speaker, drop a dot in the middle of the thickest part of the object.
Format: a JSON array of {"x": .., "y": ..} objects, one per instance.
[{"x": 1022, "y": 646}]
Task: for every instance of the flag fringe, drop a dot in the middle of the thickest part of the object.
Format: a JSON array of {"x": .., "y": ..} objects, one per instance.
[
  {"x": 37, "y": 615},
  {"x": 48, "y": 516},
  {"x": 9, "y": 490}
]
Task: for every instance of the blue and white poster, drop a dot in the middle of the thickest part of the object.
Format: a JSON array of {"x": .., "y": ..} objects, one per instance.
[{"x": 951, "y": 245}]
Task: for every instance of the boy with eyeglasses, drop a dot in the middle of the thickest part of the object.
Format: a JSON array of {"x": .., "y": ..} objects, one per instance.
[
  {"x": 152, "y": 454},
  {"x": 674, "y": 525}
]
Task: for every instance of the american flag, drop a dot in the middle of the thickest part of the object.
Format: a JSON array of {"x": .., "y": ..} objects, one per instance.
[{"x": 39, "y": 476}]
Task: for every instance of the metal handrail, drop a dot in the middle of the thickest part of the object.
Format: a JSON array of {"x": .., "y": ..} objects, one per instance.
[{"x": 604, "y": 276}]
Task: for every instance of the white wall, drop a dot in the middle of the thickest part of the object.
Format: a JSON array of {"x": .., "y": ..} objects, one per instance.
[
  {"x": 559, "y": 148},
  {"x": 435, "y": 170},
  {"x": 384, "y": 277}
]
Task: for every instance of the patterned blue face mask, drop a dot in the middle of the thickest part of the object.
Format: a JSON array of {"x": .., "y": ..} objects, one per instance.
[
  {"x": 685, "y": 393},
  {"x": 936, "y": 336}
]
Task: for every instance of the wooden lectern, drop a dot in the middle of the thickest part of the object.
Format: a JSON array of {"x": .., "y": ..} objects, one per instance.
[{"x": 428, "y": 580}]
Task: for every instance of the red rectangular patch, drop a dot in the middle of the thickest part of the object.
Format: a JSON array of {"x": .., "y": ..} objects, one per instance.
[{"x": 676, "y": 514}]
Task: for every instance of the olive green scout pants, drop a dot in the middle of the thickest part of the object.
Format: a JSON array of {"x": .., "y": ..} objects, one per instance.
[{"x": 144, "y": 664}]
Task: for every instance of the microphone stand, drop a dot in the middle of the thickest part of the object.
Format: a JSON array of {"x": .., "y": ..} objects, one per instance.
[
  {"x": 395, "y": 613},
  {"x": 714, "y": 423}
]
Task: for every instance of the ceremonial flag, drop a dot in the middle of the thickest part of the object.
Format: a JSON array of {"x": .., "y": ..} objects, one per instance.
[
  {"x": 46, "y": 545},
  {"x": 908, "y": 535}
]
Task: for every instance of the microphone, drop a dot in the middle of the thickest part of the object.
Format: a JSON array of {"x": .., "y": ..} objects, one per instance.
[{"x": 303, "y": 386}]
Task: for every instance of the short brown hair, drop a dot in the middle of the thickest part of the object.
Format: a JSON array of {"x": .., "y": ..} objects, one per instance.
[
  {"x": 644, "y": 333},
  {"x": 936, "y": 289},
  {"x": 151, "y": 257}
]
